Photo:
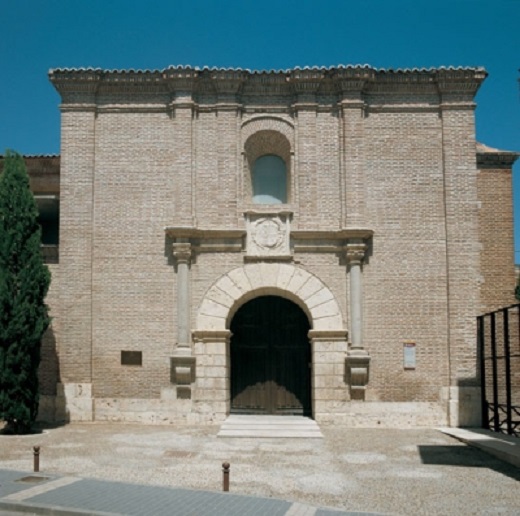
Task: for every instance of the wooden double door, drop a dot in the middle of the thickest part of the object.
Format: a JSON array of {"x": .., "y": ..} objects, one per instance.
[{"x": 270, "y": 358}]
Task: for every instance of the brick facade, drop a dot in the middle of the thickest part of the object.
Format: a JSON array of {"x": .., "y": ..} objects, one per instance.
[{"x": 380, "y": 164}]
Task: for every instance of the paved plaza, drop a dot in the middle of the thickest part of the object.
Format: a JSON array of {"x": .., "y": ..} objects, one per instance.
[{"x": 132, "y": 469}]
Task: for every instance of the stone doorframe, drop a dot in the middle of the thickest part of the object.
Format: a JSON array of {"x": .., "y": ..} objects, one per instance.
[{"x": 328, "y": 336}]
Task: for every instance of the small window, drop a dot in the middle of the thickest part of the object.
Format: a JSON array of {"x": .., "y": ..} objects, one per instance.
[
  {"x": 269, "y": 180},
  {"x": 49, "y": 218}
]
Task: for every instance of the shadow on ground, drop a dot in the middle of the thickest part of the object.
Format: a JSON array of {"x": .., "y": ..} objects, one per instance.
[{"x": 465, "y": 456}]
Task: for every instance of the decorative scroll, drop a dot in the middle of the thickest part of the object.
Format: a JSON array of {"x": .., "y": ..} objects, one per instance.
[
  {"x": 182, "y": 373},
  {"x": 357, "y": 366}
]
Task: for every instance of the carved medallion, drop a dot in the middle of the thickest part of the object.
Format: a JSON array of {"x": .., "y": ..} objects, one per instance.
[{"x": 267, "y": 235}]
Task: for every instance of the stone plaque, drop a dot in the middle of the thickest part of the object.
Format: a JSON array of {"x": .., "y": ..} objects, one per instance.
[
  {"x": 132, "y": 358},
  {"x": 268, "y": 235}
]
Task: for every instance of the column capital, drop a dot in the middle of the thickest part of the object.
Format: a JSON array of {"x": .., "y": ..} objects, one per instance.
[
  {"x": 182, "y": 252},
  {"x": 355, "y": 251}
]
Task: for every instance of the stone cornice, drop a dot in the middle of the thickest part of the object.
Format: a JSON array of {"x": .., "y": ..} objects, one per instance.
[
  {"x": 498, "y": 159},
  {"x": 333, "y": 234},
  {"x": 347, "y": 81},
  {"x": 192, "y": 232}
]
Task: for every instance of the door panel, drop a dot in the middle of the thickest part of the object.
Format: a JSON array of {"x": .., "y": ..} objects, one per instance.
[{"x": 270, "y": 356}]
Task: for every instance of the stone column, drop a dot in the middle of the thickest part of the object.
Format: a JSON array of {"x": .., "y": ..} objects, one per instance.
[
  {"x": 358, "y": 359},
  {"x": 182, "y": 254},
  {"x": 355, "y": 253},
  {"x": 183, "y": 363}
]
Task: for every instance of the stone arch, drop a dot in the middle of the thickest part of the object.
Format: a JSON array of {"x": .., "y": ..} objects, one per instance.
[
  {"x": 268, "y": 123},
  {"x": 265, "y": 142},
  {"x": 234, "y": 288}
]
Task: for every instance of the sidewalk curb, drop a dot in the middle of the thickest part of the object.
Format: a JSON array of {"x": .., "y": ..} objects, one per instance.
[
  {"x": 504, "y": 447},
  {"x": 49, "y": 510}
]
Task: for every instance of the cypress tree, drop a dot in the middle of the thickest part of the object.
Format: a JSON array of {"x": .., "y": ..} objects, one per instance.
[{"x": 24, "y": 281}]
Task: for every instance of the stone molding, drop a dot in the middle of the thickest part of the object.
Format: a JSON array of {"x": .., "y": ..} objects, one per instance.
[
  {"x": 232, "y": 240},
  {"x": 328, "y": 335},
  {"x": 211, "y": 335}
]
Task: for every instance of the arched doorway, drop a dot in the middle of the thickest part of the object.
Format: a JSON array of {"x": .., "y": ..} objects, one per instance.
[{"x": 270, "y": 358}]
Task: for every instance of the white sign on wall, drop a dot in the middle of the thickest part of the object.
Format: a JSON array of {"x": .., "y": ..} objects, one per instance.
[{"x": 409, "y": 358}]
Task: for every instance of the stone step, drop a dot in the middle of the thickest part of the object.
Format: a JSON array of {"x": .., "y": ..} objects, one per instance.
[{"x": 270, "y": 427}]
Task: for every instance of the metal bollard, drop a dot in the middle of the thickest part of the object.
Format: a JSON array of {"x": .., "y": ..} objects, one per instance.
[
  {"x": 225, "y": 476},
  {"x": 36, "y": 450}
]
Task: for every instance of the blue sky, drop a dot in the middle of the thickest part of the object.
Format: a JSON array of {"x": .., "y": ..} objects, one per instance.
[{"x": 37, "y": 35}]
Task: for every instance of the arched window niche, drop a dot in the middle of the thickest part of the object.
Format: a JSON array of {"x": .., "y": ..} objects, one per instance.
[
  {"x": 267, "y": 168},
  {"x": 269, "y": 180}
]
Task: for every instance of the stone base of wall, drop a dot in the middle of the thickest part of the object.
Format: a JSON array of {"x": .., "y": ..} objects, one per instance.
[
  {"x": 74, "y": 402},
  {"x": 375, "y": 414},
  {"x": 167, "y": 410},
  {"x": 459, "y": 406},
  {"x": 464, "y": 406}
]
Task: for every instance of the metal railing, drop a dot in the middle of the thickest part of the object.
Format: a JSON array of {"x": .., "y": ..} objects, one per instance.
[{"x": 498, "y": 337}]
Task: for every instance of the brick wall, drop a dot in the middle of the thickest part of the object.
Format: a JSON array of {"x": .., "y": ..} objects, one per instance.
[
  {"x": 498, "y": 281},
  {"x": 397, "y": 161}
]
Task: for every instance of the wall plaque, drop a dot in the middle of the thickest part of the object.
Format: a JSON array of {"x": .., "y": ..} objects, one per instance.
[
  {"x": 409, "y": 358},
  {"x": 132, "y": 358}
]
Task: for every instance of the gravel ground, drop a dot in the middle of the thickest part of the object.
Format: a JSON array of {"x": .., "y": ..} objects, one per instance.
[{"x": 377, "y": 470}]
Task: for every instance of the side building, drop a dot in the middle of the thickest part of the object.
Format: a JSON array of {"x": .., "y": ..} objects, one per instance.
[{"x": 310, "y": 241}]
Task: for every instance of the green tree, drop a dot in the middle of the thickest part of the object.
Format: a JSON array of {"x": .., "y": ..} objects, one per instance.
[{"x": 24, "y": 281}]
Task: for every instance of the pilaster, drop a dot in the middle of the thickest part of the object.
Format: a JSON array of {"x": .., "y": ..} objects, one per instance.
[
  {"x": 350, "y": 84},
  {"x": 213, "y": 373},
  {"x": 181, "y": 84},
  {"x": 328, "y": 348},
  {"x": 228, "y": 86},
  {"x": 456, "y": 91},
  {"x": 305, "y": 85},
  {"x": 77, "y": 171}
]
